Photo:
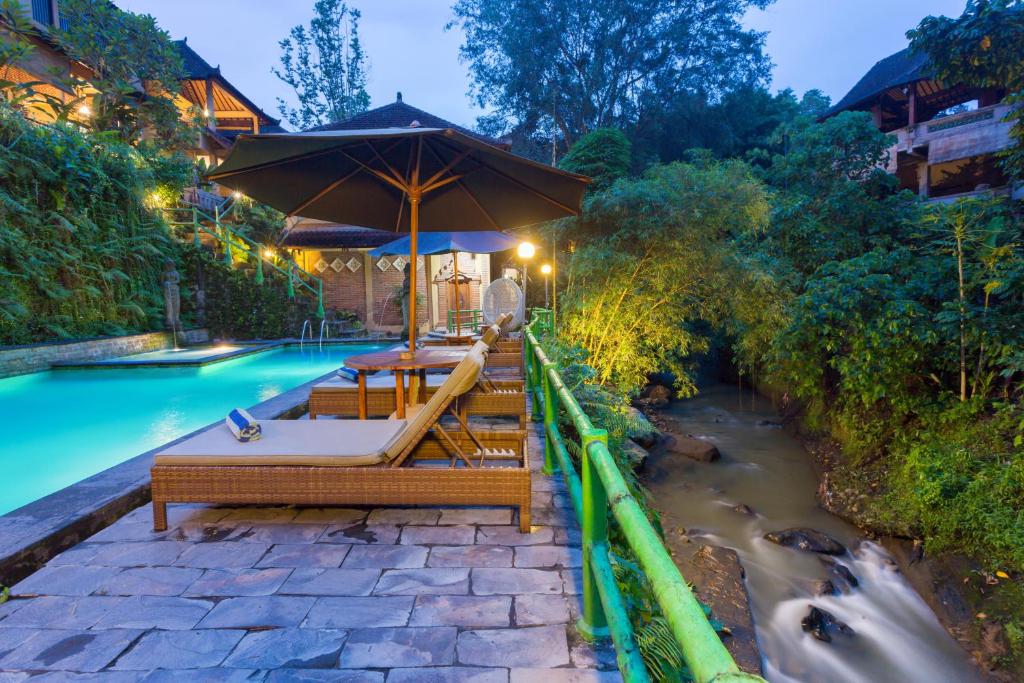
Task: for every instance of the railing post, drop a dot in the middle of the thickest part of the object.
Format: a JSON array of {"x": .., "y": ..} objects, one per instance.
[
  {"x": 550, "y": 415},
  {"x": 259, "y": 268},
  {"x": 195, "y": 228},
  {"x": 534, "y": 369},
  {"x": 321, "y": 313},
  {"x": 291, "y": 281},
  {"x": 593, "y": 623}
]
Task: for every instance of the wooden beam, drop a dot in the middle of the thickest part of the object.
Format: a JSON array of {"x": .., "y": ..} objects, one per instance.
[
  {"x": 271, "y": 164},
  {"x": 321, "y": 193},
  {"x": 912, "y": 105},
  {"x": 211, "y": 108}
]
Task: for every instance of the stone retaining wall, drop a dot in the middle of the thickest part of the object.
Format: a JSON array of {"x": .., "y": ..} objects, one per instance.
[{"x": 20, "y": 360}]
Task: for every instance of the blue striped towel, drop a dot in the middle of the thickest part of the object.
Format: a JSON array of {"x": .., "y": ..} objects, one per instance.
[
  {"x": 243, "y": 425},
  {"x": 348, "y": 373}
]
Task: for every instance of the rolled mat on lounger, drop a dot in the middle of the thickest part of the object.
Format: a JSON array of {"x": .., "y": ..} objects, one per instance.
[
  {"x": 243, "y": 425},
  {"x": 348, "y": 373}
]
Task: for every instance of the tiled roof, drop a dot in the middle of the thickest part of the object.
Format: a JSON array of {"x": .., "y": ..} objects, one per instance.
[
  {"x": 893, "y": 71},
  {"x": 398, "y": 114},
  {"x": 197, "y": 68},
  {"x": 335, "y": 236}
]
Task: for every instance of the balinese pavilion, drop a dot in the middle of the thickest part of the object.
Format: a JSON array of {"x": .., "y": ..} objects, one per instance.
[{"x": 945, "y": 135}]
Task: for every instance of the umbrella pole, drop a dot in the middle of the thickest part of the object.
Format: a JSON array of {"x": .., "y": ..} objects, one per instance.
[
  {"x": 458, "y": 306},
  {"x": 414, "y": 225}
]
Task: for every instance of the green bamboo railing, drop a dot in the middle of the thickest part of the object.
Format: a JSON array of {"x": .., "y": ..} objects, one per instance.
[
  {"x": 598, "y": 488},
  {"x": 197, "y": 220}
]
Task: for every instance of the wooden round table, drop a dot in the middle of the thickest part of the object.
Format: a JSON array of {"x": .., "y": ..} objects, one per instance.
[{"x": 425, "y": 359}]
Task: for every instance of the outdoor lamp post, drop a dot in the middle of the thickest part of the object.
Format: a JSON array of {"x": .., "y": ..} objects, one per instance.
[
  {"x": 525, "y": 251},
  {"x": 546, "y": 272}
]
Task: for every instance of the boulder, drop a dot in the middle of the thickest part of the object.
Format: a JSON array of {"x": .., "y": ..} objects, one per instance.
[
  {"x": 743, "y": 509},
  {"x": 841, "y": 575},
  {"x": 637, "y": 455},
  {"x": 643, "y": 432},
  {"x": 657, "y": 395},
  {"x": 808, "y": 540},
  {"x": 695, "y": 449},
  {"x": 824, "y": 587},
  {"x": 822, "y": 625}
]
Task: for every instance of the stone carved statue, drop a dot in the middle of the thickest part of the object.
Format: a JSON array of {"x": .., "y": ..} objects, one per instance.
[{"x": 172, "y": 296}]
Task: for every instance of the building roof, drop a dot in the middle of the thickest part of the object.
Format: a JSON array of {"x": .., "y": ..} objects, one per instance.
[
  {"x": 198, "y": 69},
  {"x": 319, "y": 235},
  {"x": 894, "y": 71},
  {"x": 398, "y": 114}
]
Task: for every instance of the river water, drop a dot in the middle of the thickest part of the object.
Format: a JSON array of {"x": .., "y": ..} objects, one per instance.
[{"x": 897, "y": 638}]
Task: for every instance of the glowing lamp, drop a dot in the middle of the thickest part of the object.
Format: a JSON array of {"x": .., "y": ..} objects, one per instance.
[
  {"x": 546, "y": 269},
  {"x": 84, "y": 111},
  {"x": 526, "y": 250},
  {"x": 268, "y": 253}
]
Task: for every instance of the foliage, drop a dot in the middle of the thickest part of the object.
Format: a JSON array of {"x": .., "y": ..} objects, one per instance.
[
  {"x": 650, "y": 264},
  {"x": 135, "y": 71},
  {"x": 82, "y": 252},
  {"x": 236, "y": 307},
  {"x": 603, "y": 155},
  {"x": 568, "y": 68},
  {"x": 325, "y": 66},
  {"x": 960, "y": 481},
  {"x": 983, "y": 48},
  {"x": 741, "y": 123},
  {"x": 258, "y": 222}
]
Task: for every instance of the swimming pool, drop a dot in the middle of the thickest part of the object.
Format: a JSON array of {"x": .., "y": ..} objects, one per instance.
[{"x": 62, "y": 426}]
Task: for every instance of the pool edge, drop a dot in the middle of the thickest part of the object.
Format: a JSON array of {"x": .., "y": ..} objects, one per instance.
[{"x": 34, "y": 533}]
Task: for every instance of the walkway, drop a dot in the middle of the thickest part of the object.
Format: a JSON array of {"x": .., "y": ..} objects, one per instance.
[{"x": 287, "y": 594}]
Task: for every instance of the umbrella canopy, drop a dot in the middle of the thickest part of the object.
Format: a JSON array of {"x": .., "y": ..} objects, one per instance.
[
  {"x": 402, "y": 179},
  {"x": 486, "y": 242}
]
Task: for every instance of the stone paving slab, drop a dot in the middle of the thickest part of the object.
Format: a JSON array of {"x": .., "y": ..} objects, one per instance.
[{"x": 284, "y": 594}]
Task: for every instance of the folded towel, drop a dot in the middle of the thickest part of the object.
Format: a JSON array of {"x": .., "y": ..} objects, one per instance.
[
  {"x": 348, "y": 373},
  {"x": 243, "y": 425}
]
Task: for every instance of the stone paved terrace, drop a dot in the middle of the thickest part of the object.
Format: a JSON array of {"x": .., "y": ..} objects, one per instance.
[{"x": 312, "y": 594}]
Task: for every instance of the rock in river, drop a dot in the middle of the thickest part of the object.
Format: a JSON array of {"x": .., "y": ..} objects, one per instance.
[
  {"x": 642, "y": 431},
  {"x": 842, "y": 577},
  {"x": 822, "y": 625},
  {"x": 657, "y": 395},
  {"x": 695, "y": 449},
  {"x": 808, "y": 540}
]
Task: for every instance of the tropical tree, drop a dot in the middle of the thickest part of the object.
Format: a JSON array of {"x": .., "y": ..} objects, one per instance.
[
  {"x": 567, "y": 68},
  {"x": 325, "y": 66},
  {"x": 984, "y": 47},
  {"x": 603, "y": 155},
  {"x": 652, "y": 265},
  {"x": 135, "y": 71}
]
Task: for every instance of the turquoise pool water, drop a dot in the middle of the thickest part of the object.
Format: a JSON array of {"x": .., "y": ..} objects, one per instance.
[{"x": 62, "y": 426}]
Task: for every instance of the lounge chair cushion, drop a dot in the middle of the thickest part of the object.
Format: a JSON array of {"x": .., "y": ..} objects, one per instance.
[{"x": 321, "y": 443}]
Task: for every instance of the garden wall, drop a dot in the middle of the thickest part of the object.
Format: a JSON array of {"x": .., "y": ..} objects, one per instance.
[{"x": 20, "y": 360}]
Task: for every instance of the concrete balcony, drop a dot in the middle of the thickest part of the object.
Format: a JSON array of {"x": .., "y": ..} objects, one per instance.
[{"x": 960, "y": 136}]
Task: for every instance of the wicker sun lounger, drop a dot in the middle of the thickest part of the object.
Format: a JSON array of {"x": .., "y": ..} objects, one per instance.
[
  {"x": 501, "y": 394},
  {"x": 353, "y": 462},
  {"x": 339, "y": 397}
]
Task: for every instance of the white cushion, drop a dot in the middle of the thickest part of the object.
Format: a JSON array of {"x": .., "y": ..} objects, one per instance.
[{"x": 330, "y": 443}]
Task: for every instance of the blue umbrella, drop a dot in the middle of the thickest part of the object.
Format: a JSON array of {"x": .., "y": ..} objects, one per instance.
[
  {"x": 486, "y": 242},
  {"x": 482, "y": 242}
]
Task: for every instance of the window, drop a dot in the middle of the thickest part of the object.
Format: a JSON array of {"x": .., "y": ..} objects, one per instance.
[{"x": 42, "y": 12}]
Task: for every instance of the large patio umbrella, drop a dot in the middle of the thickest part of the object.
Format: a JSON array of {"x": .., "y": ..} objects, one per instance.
[
  {"x": 486, "y": 242},
  {"x": 402, "y": 179}
]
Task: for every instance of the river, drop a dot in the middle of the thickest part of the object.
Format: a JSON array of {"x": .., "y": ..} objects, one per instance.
[{"x": 897, "y": 637}]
